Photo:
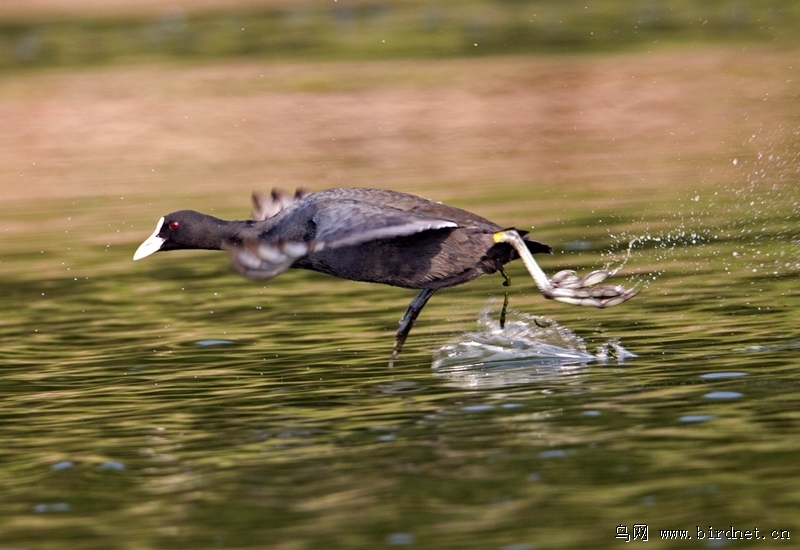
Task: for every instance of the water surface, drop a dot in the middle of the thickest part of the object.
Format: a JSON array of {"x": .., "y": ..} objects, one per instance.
[{"x": 169, "y": 403}]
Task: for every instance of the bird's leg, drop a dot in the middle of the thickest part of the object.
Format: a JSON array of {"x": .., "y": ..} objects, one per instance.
[
  {"x": 565, "y": 286},
  {"x": 408, "y": 319},
  {"x": 506, "y": 283}
]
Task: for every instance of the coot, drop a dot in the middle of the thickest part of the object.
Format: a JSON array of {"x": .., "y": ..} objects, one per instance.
[{"x": 376, "y": 236}]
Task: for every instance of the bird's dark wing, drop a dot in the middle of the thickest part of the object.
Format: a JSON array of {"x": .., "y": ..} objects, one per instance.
[
  {"x": 338, "y": 224},
  {"x": 349, "y": 223}
]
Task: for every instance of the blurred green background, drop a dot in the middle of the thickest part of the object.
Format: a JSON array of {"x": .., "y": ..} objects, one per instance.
[{"x": 58, "y": 33}]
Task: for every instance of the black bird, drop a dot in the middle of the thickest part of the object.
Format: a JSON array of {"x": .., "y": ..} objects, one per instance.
[{"x": 374, "y": 236}]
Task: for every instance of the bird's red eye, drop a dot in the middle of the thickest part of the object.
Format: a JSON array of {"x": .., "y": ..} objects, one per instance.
[{"x": 174, "y": 225}]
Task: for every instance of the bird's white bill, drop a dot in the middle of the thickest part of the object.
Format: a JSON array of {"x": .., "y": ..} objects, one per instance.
[{"x": 152, "y": 244}]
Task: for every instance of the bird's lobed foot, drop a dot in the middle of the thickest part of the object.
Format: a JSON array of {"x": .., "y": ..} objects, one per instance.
[{"x": 567, "y": 287}]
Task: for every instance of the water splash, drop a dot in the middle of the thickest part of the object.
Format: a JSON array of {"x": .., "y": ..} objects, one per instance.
[
  {"x": 746, "y": 227},
  {"x": 767, "y": 200},
  {"x": 528, "y": 350}
]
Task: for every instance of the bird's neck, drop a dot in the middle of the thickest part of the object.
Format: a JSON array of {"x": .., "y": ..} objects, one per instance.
[{"x": 213, "y": 235}]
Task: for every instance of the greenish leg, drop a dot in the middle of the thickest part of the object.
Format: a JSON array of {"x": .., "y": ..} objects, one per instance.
[{"x": 506, "y": 283}]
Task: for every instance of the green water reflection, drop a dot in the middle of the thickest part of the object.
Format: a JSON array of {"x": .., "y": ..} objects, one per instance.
[{"x": 124, "y": 426}]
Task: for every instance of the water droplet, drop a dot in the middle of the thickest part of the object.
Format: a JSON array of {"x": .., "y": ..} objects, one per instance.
[
  {"x": 692, "y": 418},
  {"x": 213, "y": 342},
  {"x": 400, "y": 539},
  {"x": 554, "y": 453},
  {"x": 723, "y": 395},
  {"x": 51, "y": 507},
  {"x": 477, "y": 408},
  {"x": 721, "y": 375}
]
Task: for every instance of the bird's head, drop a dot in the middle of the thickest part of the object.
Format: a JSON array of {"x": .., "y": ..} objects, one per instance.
[{"x": 183, "y": 230}]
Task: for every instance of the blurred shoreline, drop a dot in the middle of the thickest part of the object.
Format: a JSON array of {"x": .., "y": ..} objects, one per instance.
[{"x": 60, "y": 33}]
